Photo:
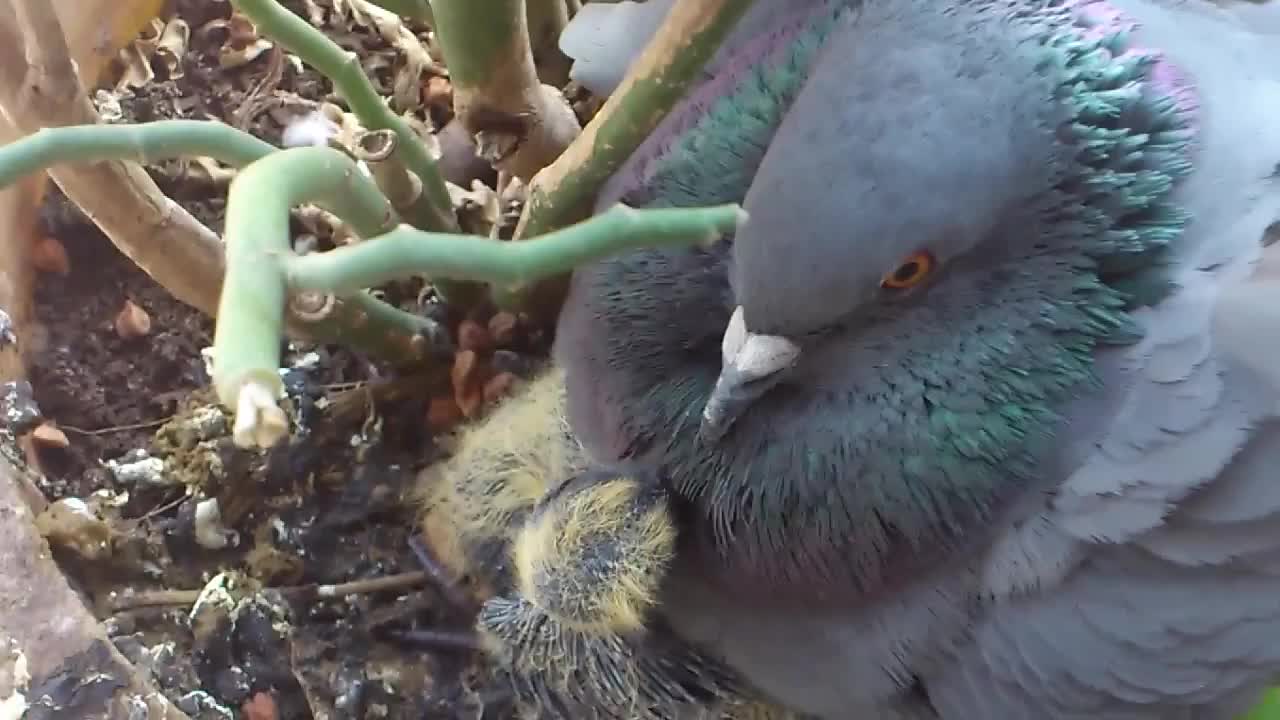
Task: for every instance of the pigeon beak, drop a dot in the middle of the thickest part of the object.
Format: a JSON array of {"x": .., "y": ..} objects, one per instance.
[{"x": 752, "y": 365}]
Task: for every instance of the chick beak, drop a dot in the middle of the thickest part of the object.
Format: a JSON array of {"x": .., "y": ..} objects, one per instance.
[{"x": 752, "y": 365}]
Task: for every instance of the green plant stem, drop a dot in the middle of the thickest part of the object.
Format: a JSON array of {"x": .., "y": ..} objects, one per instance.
[
  {"x": 251, "y": 307},
  {"x": 434, "y": 208},
  {"x": 1267, "y": 709},
  {"x": 359, "y": 320},
  {"x": 662, "y": 76},
  {"x": 262, "y": 268},
  {"x": 546, "y": 20},
  {"x": 564, "y": 191},
  {"x": 145, "y": 143},
  {"x": 520, "y": 125},
  {"x": 405, "y": 250},
  {"x": 478, "y": 39},
  {"x": 377, "y": 149}
]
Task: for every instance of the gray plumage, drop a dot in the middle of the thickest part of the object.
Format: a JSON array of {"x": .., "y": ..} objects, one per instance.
[
  {"x": 1042, "y": 485},
  {"x": 605, "y": 38}
]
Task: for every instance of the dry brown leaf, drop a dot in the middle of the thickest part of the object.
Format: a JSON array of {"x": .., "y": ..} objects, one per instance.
[
  {"x": 134, "y": 59},
  {"x": 49, "y": 435},
  {"x": 315, "y": 14},
  {"x": 243, "y": 44},
  {"x": 443, "y": 413},
  {"x": 410, "y": 65},
  {"x": 438, "y": 92},
  {"x": 49, "y": 255},
  {"x": 468, "y": 384},
  {"x": 478, "y": 208},
  {"x": 136, "y": 70},
  {"x": 498, "y": 386},
  {"x": 474, "y": 336},
  {"x": 206, "y": 171},
  {"x": 260, "y": 707},
  {"x": 238, "y": 57},
  {"x": 132, "y": 321},
  {"x": 502, "y": 327},
  {"x": 323, "y": 223},
  {"x": 172, "y": 46}
]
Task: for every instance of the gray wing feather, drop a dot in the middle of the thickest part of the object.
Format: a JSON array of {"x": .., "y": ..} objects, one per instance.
[
  {"x": 1186, "y": 615},
  {"x": 1177, "y": 426},
  {"x": 1158, "y": 560},
  {"x": 1148, "y": 585},
  {"x": 605, "y": 38}
]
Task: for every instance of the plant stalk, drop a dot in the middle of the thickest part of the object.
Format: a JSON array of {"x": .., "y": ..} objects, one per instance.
[
  {"x": 252, "y": 305},
  {"x": 144, "y": 143},
  {"x": 563, "y": 192},
  {"x": 434, "y": 209},
  {"x": 405, "y": 249},
  {"x": 520, "y": 124}
]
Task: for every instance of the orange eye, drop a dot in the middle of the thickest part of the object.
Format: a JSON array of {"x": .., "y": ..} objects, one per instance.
[{"x": 918, "y": 266}]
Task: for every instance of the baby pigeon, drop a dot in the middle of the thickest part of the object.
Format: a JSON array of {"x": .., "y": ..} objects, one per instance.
[
  {"x": 571, "y": 557},
  {"x": 976, "y": 417}
]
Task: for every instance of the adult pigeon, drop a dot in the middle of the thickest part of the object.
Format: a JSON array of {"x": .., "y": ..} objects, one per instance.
[
  {"x": 976, "y": 416},
  {"x": 605, "y": 38}
]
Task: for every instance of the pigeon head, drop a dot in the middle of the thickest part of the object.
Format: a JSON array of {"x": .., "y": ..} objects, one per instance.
[
  {"x": 954, "y": 213},
  {"x": 874, "y": 205},
  {"x": 884, "y": 213}
]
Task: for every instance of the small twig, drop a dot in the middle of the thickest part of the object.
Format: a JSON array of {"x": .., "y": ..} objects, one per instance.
[
  {"x": 115, "y": 428},
  {"x": 465, "y": 641},
  {"x": 440, "y": 578},
  {"x": 342, "y": 386},
  {"x": 260, "y": 94},
  {"x": 404, "y": 249},
  {"x": 152, "y": 598},
  {"x": 376, "y": 148},
  {"x": 400, "y": 581},
  {"x": 162, "y": 508},
  {"x": 176, "y": 598},
  {"x": 434, "y": 209}
]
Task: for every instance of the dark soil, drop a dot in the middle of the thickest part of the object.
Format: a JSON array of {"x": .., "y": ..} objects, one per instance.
[
  {"x": 107, "y": 393},
  {"x": 331, "y": 505}
]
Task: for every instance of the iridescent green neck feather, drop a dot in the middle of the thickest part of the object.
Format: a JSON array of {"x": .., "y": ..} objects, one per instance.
[{"x": 909, "y": 434}]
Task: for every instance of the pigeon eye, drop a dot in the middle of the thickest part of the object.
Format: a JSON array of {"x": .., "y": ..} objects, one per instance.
[{"x": 918, "y": 266}]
